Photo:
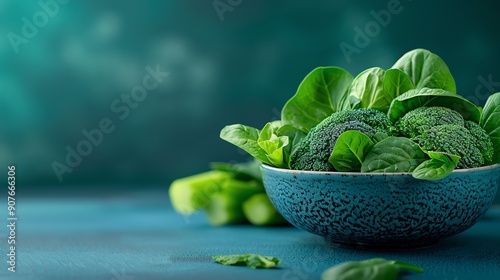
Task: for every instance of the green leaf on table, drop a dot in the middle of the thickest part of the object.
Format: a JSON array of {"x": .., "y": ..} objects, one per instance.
[
  {"x": 428, "y": 97},
  {"x": 426, "y": 69},
  {"x": 438, "y": 167},
  {"x": 250, "y": 260},
  {"x": 321, "y": 93},
  {"x": 372, "y": 269},
  {"x": 350, "y": 150},
  {"x": 490, "y": 122},
  {"x": 393, "y": 154}
]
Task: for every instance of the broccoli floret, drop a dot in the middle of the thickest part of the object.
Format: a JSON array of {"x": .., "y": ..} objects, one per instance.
[
  {"x": 315, "y": 149},
  {"x": 452, "y": 139},
  {"x": 483, "y": 140},
  {"x": 422, "y": 119},
  {"x": 374, "y": 118}
]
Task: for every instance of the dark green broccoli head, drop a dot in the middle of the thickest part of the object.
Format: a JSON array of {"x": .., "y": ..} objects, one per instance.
[
  {"x": 315, "y": 149},
  {"x": 452, "y": 139},
  {"x": 374, "y": 118},
  {"x": 422, "y": 119},
  {"x": 483, "y": 140}
]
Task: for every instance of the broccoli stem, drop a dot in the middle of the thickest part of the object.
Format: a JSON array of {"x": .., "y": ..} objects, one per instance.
[
  {"x": 225, "y": 207},
  {"x": 193, "y": 193},
  {"x": 259, "y": 210}
]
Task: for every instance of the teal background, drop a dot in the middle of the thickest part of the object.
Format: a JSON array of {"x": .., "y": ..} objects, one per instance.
[{"x": 238, "y": 70}]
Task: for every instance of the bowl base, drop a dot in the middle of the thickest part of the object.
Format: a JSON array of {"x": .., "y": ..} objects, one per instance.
[{"x": 410, "y": 245}]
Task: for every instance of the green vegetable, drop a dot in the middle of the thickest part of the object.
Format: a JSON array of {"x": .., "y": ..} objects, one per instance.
[
  {"x": 455, "y": 140},
  {"x": 264, "y": 145},
  {"x": 259, "y": 210},
  {"x": 373, "y": 269},
  {"x": 375, "y": 88},
  {"x": 434, "y": 126},
  {"x": 223, "y": 193},
  {"x": 422, "y": 119},
  {"x": 225, "y": 206},
  {"x": 396, "y": 82},
  {"x": 294, "y": 135},
  {"x": 483, "y": 140},
  {"x": 246, "y": 138},
  {"x": 193, "y": 193},
  {"x": 393, "y": 154},
  {"x": 250, "y": 260},
  {"x": 490, "y": 122},
  {"x": 350, "y": 150},
  {"x": 438, "y": 167},
  {"x": 426, "y": 70},
  {"x": 322, "y": 92},
  {"x": 272, "y": 145},
  {"x": 427, "y": 97},
  {"x": 379, "y": 136},
  {"x": 315, "y": 150}
]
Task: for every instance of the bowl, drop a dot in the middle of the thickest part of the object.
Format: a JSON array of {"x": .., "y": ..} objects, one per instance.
[{"x": 381, "y": 210}]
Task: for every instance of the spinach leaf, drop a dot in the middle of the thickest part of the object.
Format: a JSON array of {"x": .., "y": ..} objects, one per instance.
[
  {"x": 427, "y": 97},
  {"x": 318, "y": 95},
  {"x": 367, "y": 89},
  {"x": 272, "y": 145},
  {"x": 393, "y": 154},
  {"x": 250, "y": 260},
  {"x": 396, "y": 82},
  {"x": 350, "y": 150},
  {"x": 438, "y": 167},
  {"x": 295, "y": 135},
  {"x": 490, "y": 121},
  {"x": 373, "y": 269},
  {"x": 375, "y": 88},
  {"x": 426, "y": 70},
  {"x": 245, "y": 138},
  {"x": 379, "y": 136}
]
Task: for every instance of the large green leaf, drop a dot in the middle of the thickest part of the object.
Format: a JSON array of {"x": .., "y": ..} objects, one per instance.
[
  {"x": 320, "y": 93},
  {"x": 396, "y": 82},
  {"x": 490, "y": 122},
  {"x": 393, "y": 154},
  {"x": 426, "y": 70},
  {"x": 367, "y": 89},
  {"x": 375, "y": 88},
  {"x": 427, "y": 97},
  {"x": 350, "y": 150}
]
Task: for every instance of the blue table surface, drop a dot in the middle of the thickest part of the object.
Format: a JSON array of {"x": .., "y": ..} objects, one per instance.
[{"x": 137, "y": 235}]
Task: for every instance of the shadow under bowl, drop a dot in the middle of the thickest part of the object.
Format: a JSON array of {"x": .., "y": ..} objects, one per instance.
[{"x": 381, "y": 210}]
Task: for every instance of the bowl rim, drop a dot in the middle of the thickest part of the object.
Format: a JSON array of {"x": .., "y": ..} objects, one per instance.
[{"x": 293, "y": 171}]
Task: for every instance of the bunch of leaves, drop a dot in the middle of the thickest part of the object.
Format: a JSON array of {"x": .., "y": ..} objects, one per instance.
[{"x": 418, "y": 79}]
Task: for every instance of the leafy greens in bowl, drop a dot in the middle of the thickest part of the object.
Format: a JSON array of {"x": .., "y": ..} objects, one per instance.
[{"x": 405, "y": 119}]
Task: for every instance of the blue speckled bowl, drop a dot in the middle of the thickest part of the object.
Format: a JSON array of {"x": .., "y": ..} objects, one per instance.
[{"x": 384, "y": 210}]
